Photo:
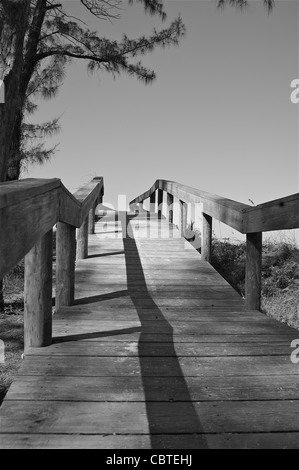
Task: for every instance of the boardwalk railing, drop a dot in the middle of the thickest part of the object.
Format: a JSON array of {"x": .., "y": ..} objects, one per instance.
[
  {"x": 28, "y": 211},
  {"x": 279, "y": 214}
]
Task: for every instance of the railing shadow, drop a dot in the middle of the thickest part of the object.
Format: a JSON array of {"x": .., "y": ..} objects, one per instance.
[{"x": 163, "y": 419}]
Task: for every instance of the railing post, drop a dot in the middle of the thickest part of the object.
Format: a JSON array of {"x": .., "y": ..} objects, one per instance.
[
  {"x": 38, "y": 294},
  {"x": 153, "y": 202},
  {"x": 160, "y": 202},
  {"x": 253, "y": 278},
  {"x": 65, "y": 264},
  {"x": 82, "y": 240},
  {"x": 170, "y": 207},
  {"x": 183, "y": 218},
  {"x": 91, "y": 220},
  {"x": 206, "y": 242}
]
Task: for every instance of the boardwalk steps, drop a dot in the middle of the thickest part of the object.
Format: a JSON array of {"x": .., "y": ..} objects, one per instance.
[{"x": 157, "y": 352}]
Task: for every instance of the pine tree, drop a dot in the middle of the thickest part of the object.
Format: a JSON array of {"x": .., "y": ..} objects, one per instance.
[
  {"x": 28, "y": 142},
  {"x": 35, "y": 32},
  {"x": 32, "y": 32}
]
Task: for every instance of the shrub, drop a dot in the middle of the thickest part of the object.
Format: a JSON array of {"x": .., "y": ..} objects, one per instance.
[{"x": 280, "y": 275}]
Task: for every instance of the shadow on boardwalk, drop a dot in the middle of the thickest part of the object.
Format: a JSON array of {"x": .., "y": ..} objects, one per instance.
[{"x": 159, "y": 423}]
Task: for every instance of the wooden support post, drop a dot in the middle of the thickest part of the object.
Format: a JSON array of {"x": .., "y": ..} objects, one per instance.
[
  {"x": 38, "y": 294},
  {"x": 170, "y": 207},
  {"x": 183, "y": 217},
  {"x": 160, "y": 202},
  {"x": 91, "y": 220},
  {"x": 206, "y": 241},
  {"x": 65, "y": 264},
  {"x": 153, "y": 202},
  {"x": 82, "y": 240},
  {"x": 253, "y": 279},
  {"x": 97, "y": 203}
]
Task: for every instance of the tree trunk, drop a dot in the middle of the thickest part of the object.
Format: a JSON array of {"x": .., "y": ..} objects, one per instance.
[
  {"x": 12, "y": 38},
  {"x": 1, "y": 296},
  {"x": 14, "y": 159}
]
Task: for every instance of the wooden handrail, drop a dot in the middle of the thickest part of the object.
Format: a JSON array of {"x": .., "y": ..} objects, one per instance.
[
  {"x": 226, "y": 210},
  {"x": 29, "y": 208},
  {"x": 28, "y": 211},
  {"x": 279, "y": 214}
]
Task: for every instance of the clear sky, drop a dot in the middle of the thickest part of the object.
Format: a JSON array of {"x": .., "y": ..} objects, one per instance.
[{"x": 218, "y": 117}]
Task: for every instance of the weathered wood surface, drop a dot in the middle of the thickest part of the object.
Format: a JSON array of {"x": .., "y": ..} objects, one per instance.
[
  {"x": 279, "y": 214},
  {"x": 38, "y": 294},
  {"x": 65, "y": 264},
  {"x": 157, "y": 351},
  {"x": 30, "y": 208},
  {"x": 226, "y": 210},
  {"x": 206, "y": 245}
]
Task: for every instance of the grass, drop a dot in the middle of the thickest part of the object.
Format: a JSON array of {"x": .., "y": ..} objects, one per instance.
[
  {"x": 11, "y": 327},
  {"x": 280, "y": 276}
]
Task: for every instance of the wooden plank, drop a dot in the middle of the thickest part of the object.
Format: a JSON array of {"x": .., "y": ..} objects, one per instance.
[
  {"x": 16, "y": 192},
  {"x": 279, "y": 214},
  {"x": 129, "y": 335},
  {"x": 135, "y": 349},
  {"x": 176, "y": 327},
  {"x": 136, "y": 418},
  {"x": 69, "y": 208},
  {"x": 111, "y": 279},
  {"x": 154, "y": 292},
  {"x": 128, "y": 314},
  {"x": 145, "y": 441},
  {"x": 124, "y": 389},
  {"x": 122, "y": 299},
  {"x": 158, "y": 366}
]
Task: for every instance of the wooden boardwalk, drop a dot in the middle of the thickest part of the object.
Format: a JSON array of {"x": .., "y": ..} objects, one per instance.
[{"x": 157, "y": 352}]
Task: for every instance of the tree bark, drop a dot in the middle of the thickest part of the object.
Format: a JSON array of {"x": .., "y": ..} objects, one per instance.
[
  {"x": 1, "y": 296},
  {"x": 16, "y": 82},
  {"x": 12, "y": 39}
]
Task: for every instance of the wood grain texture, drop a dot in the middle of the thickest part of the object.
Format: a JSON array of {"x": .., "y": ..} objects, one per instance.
[
  {"x": 206, "y": 245},
  {"x": 144, "y": 441},
  {"x": 82, "y": 240},
  {"x": 65, "y": 265},
  {"x": 253, "y": 275},
  {"x": 16, "y": 192},
  {"x": 23, "y": 224},
  {"x": 132, "y": 418},
  {"x": 157, "y": 351},
  {"x": 279, "y": 214},
  {"x": 38, "y": 294},
  {"x": 30, "y": 208}
]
